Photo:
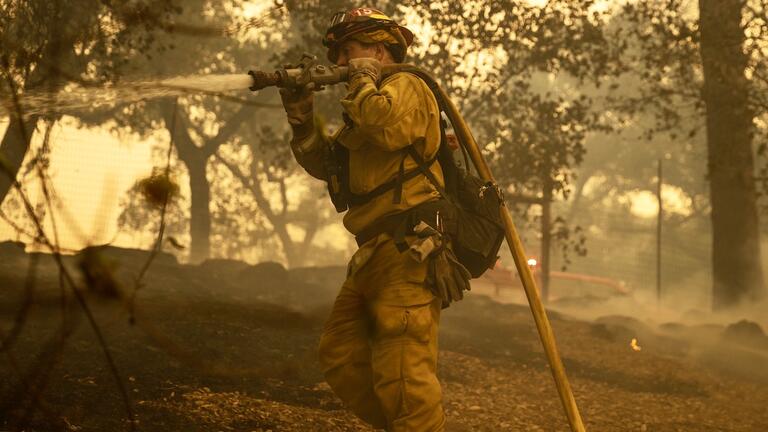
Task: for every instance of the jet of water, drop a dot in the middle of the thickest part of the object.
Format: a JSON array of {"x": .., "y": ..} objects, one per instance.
[
  {"x": 209, "y": 83},
  {"x": 73, "y": 99}
]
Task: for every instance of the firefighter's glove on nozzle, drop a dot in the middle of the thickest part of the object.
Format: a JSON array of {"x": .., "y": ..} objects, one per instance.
[
  {"x": 367, "y": 66},
  {"x": 299, "y": 106}
]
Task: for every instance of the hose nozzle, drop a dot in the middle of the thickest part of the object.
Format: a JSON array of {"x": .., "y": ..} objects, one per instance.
[
  {"x": 299, "y": 76},
  {"x": 263, "y": 79}
]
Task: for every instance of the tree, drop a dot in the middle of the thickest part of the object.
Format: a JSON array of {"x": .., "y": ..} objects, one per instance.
[
  {"x": 736, "y": 259},
  {"x": 271, "y": 168},
  {"x": 700, "y": 74},
  {"x": 195, "y": 158},
  {"x": 198, "y": 123},
  {"x": 47, "y": 44},
  {"x": 229, "y": 200}
]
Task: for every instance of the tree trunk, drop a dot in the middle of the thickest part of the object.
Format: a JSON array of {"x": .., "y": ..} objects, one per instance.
[
  {"x": 295, "y": 253},
  {"x": 12, "y": 150},
  {"x": 279, "y": 222},
  {"x": 195, "y": 159},
  {"x": 737, "y": 274},
  {"x": 45, "y": 75},
  {"x": 200, "y": 214},
  {"x": 290, "y": 248}
]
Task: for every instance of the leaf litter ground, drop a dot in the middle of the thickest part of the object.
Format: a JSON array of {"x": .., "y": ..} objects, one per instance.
[{"x": 226, "y": 346}]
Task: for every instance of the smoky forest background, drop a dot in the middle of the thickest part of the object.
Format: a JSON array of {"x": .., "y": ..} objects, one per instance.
[{"x": 165, "y": 264}]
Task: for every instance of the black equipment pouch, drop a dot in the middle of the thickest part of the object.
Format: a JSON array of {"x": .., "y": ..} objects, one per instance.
[
  {"x": 479, "y": 228},
  {"x": 337, "y": 169},
  {"x": 473, "y": 222},
  {"x": 469, "y": 215}
]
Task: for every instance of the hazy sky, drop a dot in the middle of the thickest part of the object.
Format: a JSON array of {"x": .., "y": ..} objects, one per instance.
[{"x": 92, "y": 169}]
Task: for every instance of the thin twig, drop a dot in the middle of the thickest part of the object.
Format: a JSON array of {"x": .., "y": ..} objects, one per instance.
[
  {"x": 15, "y": 226},
  {"x": 21, "y": 314},
  {"x": 25, "y": 384},
  {"x": 38, "y": 377},
  {"x": 44, "y": 185},
  {"x": 59, "y": 262},
  {"x": 159, "y": 241}
]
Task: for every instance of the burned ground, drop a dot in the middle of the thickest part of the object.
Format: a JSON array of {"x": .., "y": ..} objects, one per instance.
[{"x": 230, "y": 346}]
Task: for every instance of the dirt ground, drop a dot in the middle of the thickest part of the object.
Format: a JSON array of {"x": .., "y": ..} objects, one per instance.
[{"x": 226, "y": 346}]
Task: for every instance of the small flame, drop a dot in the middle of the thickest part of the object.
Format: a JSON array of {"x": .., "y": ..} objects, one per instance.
[
  {"x": 634, "y": 345},
  {"x": 532, "y": 262}
]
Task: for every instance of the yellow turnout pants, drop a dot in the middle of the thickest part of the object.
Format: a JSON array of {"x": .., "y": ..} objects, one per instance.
[{"x": 378, "y": 350}]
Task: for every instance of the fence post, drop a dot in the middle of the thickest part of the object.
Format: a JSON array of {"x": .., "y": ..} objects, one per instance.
[{"x": 659, "y": 182}]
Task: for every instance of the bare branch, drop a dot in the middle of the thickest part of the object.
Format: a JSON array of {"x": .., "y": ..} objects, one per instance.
[{"x": 159, "y": 240}]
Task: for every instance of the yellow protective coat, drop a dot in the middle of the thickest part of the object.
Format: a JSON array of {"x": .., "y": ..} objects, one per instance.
[{"x": 378, "y": 350}]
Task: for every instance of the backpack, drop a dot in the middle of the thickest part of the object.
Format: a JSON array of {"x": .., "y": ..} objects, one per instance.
[{"x": 472, "y": 217}]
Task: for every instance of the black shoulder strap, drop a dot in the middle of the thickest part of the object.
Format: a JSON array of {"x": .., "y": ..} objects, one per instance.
[
  {"x": 451, "y": 174},
  {"x": 424, "y": 168},
  {"x": 395, "y": 183}
]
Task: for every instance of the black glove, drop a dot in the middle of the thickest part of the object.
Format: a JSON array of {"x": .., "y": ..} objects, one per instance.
[
  {"x": 447, "y": 278},
  {"x": 299, "y": 106}
]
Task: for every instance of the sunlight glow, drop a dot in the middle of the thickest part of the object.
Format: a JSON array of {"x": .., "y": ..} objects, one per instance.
[
  {"x": 644, "y": 203},
  {"x": 90, "y": 170}
]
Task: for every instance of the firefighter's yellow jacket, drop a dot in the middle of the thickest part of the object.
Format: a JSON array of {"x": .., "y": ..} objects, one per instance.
[{"x": 385, "y": 118}]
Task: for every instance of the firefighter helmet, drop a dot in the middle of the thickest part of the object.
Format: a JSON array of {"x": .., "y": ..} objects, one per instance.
[{"x": 347, "y": 24}]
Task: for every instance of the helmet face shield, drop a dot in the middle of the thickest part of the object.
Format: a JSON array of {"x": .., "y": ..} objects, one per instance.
[{"x": 337, "y": 18}]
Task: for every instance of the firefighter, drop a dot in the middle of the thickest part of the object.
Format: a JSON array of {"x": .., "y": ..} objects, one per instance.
[{"x": 378, "y": 350}]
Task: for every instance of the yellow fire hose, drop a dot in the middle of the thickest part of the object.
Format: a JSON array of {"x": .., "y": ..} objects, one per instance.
[
  {"x": 308, "y": 71},
  {"x": 521, "y": 262}
]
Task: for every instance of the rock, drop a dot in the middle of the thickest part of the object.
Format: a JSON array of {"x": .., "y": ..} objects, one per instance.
[
  {"x": 626, "y": 322},
  {"x": 265, "y": 271},
  {"x": 220, "y": 267},
  {"x": 12, "y": 248},
  {"x": 601, "y": 331},
  {"x": 129, "y": 260},
  {"x": 673, "y": 327},
  {"x": 746, "y": 333}
]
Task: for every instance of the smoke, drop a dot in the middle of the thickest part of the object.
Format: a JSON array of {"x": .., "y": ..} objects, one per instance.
[
  {"x": 731, "y": 341},
  {"x": 756, "y": 311},
  {"x": 684, "y": 307}
]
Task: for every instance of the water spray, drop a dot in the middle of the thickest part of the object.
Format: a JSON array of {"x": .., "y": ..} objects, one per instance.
[
  {"x": 77, "y": 98},
  {"x": 90, "y": 96}
]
